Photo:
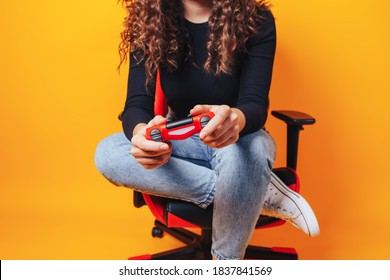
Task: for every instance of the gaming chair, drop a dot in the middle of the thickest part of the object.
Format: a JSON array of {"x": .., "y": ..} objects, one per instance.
[{"x": 175, "y": 216}]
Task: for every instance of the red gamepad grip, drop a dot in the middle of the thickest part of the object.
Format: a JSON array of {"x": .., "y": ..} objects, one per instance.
[{"x": 179, "y": 130}]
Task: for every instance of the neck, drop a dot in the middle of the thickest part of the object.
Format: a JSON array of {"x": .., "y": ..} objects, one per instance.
[{"x": 197, "y": 11}]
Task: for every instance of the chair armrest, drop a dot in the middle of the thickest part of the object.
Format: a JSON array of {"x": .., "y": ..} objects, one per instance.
[
  {"x": 294, "y": 118},
  {"x": 295, "y": 121}
]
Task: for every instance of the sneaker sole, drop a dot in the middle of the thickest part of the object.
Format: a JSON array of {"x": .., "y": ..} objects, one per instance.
[{"x": 301, "y": 203}]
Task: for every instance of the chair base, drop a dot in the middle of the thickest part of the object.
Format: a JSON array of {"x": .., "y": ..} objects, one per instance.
[{"x": 198, "y": 247}]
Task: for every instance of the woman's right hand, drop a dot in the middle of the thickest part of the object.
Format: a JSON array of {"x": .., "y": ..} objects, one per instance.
[{"x": 146, "y": 152}]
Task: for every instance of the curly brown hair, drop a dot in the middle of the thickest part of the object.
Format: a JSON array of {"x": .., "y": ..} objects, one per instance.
[{"x": 154, "y": 32}]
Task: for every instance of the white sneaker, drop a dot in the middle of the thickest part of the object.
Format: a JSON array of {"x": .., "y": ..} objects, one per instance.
[{"x": 283, "y": 203}]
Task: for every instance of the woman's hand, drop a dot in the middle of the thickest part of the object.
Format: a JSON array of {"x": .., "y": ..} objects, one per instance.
[
  {"x": 222, "y": 130},
  {"x": 148, "y": 153}
]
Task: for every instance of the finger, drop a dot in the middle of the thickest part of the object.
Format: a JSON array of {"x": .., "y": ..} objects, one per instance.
[
  {"x": 139, "y": 141},
  {"x": 137, "y": 152},
  {"x": 157, "y": 120},
  {"x": 230, "y": 141},
  {"x": 230, "y": 122},
  {"x": 218, "y": 132},
  {"x": 152, "y": 166},
  {"x": 199, "y": 109},
  {"x": 232, "y": 133},
  {"x": 220, "y": 115},
  {"x": 157, "y": 161}
]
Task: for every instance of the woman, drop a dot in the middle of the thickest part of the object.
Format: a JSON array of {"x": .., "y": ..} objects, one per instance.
[{"x": 213, "y": 55}]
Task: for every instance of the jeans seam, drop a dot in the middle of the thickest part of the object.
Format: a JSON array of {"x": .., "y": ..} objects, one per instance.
[
  {"x": 220, "y": 257},
  {"x": 209, "y": 198}
]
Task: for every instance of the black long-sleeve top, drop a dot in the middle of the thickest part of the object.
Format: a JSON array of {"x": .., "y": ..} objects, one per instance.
[{"x": 246, "y": 88}]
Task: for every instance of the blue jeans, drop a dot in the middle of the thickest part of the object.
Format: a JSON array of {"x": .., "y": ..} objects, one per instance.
[{"x": 234, "y": 178}]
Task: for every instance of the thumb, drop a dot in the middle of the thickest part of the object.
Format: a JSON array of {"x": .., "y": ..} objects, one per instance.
[{"x": 157, "y": 120}]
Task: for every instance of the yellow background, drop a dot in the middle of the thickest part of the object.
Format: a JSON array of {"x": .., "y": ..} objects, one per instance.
[{"x": 60, "y": 94}]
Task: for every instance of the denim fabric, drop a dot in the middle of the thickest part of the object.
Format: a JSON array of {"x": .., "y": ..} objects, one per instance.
[{"x": 234, "y": 178}]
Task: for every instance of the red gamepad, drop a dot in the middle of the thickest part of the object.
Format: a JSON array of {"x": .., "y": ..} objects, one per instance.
[{"x": 179, "y": 130}]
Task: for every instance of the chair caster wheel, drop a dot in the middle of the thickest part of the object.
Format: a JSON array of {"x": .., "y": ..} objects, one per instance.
[{"x": 157, "y": 232}]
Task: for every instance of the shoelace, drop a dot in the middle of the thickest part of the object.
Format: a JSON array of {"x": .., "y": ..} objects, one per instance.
[{"x": 277, "y": 211}]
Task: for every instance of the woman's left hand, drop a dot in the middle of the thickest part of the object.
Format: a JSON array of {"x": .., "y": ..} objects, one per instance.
[{"x": 222, "y": 130}]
